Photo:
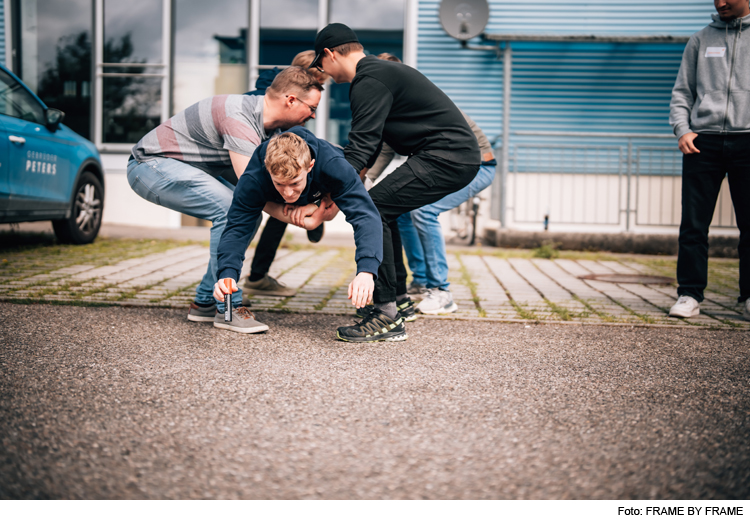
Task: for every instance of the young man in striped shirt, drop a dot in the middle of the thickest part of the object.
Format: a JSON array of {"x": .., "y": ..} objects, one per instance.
[{"x": 192, "y": 162}]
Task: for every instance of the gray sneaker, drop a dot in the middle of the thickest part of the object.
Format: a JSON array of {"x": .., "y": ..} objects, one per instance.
[
  {"x": 416, "y": 289},
  {"x": 201, "y": 314},
  {"x": 437, "y": 302},
  {"x": 267, "y": 286},
  {"x": 243, "y": 321},
  {"x": 746, "y": 311}
]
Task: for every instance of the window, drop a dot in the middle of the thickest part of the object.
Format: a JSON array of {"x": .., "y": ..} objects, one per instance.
[
  {"x": 55, "y": 56},
  {"x": 133, "y": 71},
  {"x": 210, "y": 46},
  {"x": 16, "y": 101}
]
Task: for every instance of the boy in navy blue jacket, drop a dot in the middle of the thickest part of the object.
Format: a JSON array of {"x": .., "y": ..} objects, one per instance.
[{"x": 285, "y": 176}]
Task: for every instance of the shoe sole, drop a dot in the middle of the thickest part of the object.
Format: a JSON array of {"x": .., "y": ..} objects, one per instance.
[
  {"x": 267, "y": 293},
  {"x": 452, "y": 307},
  {"x": 201, "y": 318},
  {"x": 393, "y": 338},
  {"x": 682, "y": 316},
  {"x": 251, "y": 330}
]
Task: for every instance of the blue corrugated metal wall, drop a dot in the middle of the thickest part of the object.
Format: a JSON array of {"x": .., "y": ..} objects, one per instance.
[
  {"x": 590, "y": 87},
  {"x": 573, "y": 87},
  {"x": 607, "y": 17},
  {"x": 474, "y": 80}
]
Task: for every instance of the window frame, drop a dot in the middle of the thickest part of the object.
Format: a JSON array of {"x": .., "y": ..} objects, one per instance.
[{"x": 164, "y": 69}]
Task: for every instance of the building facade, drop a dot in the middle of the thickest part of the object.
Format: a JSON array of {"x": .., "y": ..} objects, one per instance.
[{"x": 580, "y": 125}]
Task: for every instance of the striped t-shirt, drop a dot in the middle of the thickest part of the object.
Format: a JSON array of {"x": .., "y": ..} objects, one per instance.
[{"x": 202, "y": 134}]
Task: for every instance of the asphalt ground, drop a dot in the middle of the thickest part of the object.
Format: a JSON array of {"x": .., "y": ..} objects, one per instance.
[{"x": 126, "y": 403}]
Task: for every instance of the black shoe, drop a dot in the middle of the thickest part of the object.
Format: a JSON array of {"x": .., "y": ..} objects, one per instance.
[
  {"x": 364, "y": 311},
  {"x": 405, "y": 311},
  {"x": 314, "y": 235},
  {"x": 376, "y": 326}
]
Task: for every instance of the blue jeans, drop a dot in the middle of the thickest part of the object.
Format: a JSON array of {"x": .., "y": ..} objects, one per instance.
[
  {"x": 181, "y": 187},
  {"x": 422, "y": 235}
]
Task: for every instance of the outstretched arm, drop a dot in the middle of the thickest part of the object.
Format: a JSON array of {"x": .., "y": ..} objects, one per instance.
[
  {"x": 349, "y": 194},
  {"x": 371, "y": 102}
]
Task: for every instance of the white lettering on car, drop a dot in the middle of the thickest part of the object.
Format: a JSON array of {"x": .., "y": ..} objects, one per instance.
[{"x": 41, "y": 162}]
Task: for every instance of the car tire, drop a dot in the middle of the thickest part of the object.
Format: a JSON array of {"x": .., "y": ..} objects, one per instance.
[{"x": 86, "y": 209}]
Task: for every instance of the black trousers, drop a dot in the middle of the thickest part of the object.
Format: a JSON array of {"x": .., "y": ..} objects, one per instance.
[
  {"x": 422, "y": 180},
  {"x": 268, "y": 243},
  {"x": 702, "y": 175}
]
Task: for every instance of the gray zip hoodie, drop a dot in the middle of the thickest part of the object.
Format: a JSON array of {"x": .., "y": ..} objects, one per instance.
[{"x": 712, "y": 91}]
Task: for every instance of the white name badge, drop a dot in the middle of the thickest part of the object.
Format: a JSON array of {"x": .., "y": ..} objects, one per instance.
[{"x": 715, "y": 52}]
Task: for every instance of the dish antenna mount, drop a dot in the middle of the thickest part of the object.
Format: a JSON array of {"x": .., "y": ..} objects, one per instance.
[{"x": 464, "y": 19}]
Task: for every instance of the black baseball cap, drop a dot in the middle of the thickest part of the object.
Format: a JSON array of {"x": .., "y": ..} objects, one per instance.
[{"x": 331, "y": 36}]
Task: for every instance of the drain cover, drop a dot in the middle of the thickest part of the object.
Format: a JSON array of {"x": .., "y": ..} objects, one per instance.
[{"x": 631, "y": 279}]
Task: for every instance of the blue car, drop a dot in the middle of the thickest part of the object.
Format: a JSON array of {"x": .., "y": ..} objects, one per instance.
[{"x": 47, "y": 171}]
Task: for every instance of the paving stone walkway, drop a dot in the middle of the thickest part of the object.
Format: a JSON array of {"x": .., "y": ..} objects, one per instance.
[{"x": 486, "y": 284}]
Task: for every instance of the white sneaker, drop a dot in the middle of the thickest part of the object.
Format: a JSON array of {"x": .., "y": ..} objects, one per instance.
[
  {"x": 437, "y": 302},
  {"x": 746, "y": 312},
  {"x": 685, "y": 306}
]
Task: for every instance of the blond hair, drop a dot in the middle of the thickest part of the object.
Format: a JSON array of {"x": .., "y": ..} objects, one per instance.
[
  {"x": 286, "y": 155},
  {"x": 295, "y": 81},
  {"x": 389, "y": 57},
  {"x": 303, "y": 59}
]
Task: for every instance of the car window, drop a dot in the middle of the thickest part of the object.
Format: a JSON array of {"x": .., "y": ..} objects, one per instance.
[{"x": 16, "y": 101}]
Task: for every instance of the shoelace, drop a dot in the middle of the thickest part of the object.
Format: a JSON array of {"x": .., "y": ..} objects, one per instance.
[{"x": 368, "y": 317}]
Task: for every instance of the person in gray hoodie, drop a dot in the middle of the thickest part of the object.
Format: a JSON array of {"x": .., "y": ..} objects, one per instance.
[{"x": 710, "y": 114}]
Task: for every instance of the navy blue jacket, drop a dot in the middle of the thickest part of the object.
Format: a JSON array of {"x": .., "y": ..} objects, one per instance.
[{"x": 330, "y": 174}]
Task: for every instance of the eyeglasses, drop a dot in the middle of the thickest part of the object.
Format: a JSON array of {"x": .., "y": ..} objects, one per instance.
[
  {"x": 319, "y": 66},
  {"x": 313, "y": 109}
]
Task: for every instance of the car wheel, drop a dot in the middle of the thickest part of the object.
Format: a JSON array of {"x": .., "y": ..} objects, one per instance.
[{"x": 85, "y": 213}]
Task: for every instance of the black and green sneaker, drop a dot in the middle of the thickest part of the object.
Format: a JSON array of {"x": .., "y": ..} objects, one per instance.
[
  {"x": 364, "y": 311},
  {"x": 405, "y": 311},
  {"x": 375, "y": 326}
]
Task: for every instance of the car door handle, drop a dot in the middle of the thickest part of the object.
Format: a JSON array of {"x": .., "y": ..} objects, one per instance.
[{"x": 17, "y": 139}]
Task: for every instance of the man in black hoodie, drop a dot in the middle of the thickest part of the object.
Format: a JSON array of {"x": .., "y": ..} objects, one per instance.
[{"x": 395, "y": 104}]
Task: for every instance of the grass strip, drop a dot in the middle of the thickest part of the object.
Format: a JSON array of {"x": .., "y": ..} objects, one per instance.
[
  {"x": 335, "y": 288},
  {"x": 466, "y": 279}
]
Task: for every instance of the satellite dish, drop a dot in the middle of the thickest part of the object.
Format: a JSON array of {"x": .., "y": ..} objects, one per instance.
[{"x": 464, "y": 19}]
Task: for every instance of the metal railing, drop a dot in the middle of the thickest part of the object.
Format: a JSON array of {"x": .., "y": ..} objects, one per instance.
[{"x": 627, "y": 184}]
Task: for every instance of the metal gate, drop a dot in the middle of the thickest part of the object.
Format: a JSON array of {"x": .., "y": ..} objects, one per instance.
[{"x": 612, "y": 186}]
